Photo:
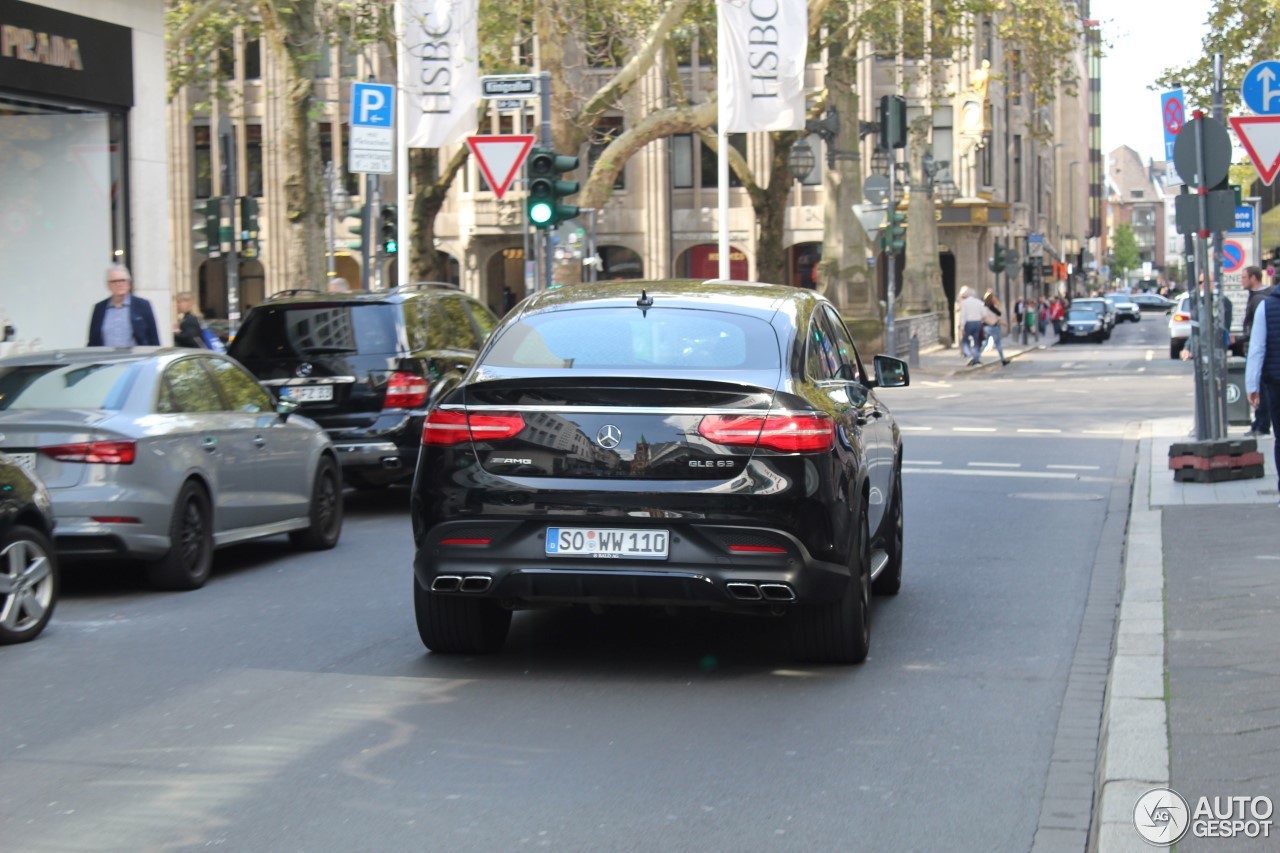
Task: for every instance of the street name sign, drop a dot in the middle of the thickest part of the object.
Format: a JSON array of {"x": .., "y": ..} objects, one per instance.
[
  {"x": 1244, "y": 220},
  {"x": 503, "y": 105},
  {"x": 372, "y": 143},
  {"x": 1260, "y": 136},
  {"x": 509, "y": 86},
  {"x": 1172, "y": 117},
  {"x": 1261, "y": 88},
  {"x": 500, "y": 157},
  {"x": 1035, "y": 245}
]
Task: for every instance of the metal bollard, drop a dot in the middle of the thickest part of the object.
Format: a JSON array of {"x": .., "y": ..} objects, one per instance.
[{"x": 913, "y": 356}]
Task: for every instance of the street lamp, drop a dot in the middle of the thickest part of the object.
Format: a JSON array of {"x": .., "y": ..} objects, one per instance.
[
  {"x": 880, "y": 162},
  {"x": 801, "y": 161},
  {"x": 947, "y": 190}
]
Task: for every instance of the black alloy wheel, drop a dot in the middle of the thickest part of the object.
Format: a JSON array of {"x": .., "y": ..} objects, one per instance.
[
  {"x": 190, "y": 558},
  {"x": 890, "y": 580},
  {"x": 456, "y": 624},
  {"x": 326, "y": 510},
  {"x": 839, "y": 631}
]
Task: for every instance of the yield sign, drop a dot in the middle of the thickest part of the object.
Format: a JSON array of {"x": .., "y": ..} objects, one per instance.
[
  {"x": 500, "y": 157},
  {"x": 1260, "y": 136}
]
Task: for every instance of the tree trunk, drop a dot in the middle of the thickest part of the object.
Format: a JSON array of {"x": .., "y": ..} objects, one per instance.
[
  {"x": 843, "y": 274},
  {"x": 294, "y": 38},
  {"x": 770, "y": 205},
  {"x": 425, "y": 263},
  {"x": 922, "y": 276}
]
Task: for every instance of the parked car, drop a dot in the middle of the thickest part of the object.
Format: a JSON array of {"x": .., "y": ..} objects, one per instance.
[
  {"x": 366, "y": 366},
  {"x": 1179, "y": 326},
  {"x": 1124, "y": 307},
  {"x": 1151, "y": 302},
  {"x": 674, "y": 443},
  {"x": 1105, "y": 311},
  {"x": 1080, "y": 324},
  {"x": 163, "y": 454},
  {"x": 28, "y": 563}
]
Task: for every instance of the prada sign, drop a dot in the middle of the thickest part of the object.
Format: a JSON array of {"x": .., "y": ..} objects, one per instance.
[{"x": 44, "y": 52}]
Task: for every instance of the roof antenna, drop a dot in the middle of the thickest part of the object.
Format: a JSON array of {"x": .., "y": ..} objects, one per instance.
[{"x": 645, "y": 302}]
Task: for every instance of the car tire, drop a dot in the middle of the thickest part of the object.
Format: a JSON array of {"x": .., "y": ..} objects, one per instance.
[
  {"x": 457, "y": 624},
  {"x": 325, "y": 512},
  {"x": 28, "y": 584},
  {"x": 839, "y": 631},
  {"x": 890, "y": 580},
  {"x": 190, "y": 558},
  {"x": 1098, "y": 338}
]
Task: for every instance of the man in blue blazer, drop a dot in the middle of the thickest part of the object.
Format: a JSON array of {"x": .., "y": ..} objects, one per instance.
[{"x": 122, "y": 319}]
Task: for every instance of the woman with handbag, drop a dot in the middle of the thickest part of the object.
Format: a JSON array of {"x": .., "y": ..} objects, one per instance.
[{"x": 992, "y": 317}]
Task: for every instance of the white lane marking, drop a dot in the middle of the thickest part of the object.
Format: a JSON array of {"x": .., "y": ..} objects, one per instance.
[
  {"x": 1142, "y": 370},
  {"x": 1029, "y": 429},
  {"x": 1042, "y": 380},
  {"x": 1151, "y": 354},
  {"x": 968, "y": 472},
  {"x": 1074, "y": 467},
  {"x": 1103, "y": 432},
  {"x": 916, "y": 428},
  {"x": 1067, "y": 365},
  {"x": 973, "y": 429},
  {"x": 995, "y": 464},
  {"x": 946, "y": 396},
  {"x": 925, "y": 462}
]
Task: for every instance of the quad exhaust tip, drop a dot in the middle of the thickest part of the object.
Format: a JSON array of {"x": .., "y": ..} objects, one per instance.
[
  {"x": 744, "y": 591},
  {"x": 777, "y": 592},
  {"x": 458, "y": 583},
  {"x": 475, "y": 583},
  {"x": 446, "y": 583}
]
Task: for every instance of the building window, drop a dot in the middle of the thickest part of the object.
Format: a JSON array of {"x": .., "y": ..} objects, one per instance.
[
  {"x": 607, "y": 129},
  {"x": 203, "y": 161},
  {"x": 253, "y": 60},
  {"x": 346, "y": 63},
  {"x": 1017, "y": 167},
  {"x": 227, "y": 61},
  {"x": 253, "y": 159},
  {"x": 1135, "y": 193},
  {"x": 682, "y": 161},
  {"x": 986, "y": 165},
  {"x": 352, "y": 180},
  {"x": 986, "y": 41},
  {"x": 324, "y": 64},
  {"x": 710, "y": 177}
]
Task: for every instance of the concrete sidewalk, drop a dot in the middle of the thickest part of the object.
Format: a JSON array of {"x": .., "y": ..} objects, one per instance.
[{"x": 1193, "y": 696}]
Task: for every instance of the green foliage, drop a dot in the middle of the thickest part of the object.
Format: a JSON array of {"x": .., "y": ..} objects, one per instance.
[
  {"x": 1045, "y": 35},
  {"x": 1124, "y": 251},
  {"x": 1244, "y": 32}
]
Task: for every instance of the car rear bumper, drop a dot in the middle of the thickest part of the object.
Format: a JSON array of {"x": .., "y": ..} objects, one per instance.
[
  {"x": 83, "y": 530},
  {"x": 700, "y": 569}
]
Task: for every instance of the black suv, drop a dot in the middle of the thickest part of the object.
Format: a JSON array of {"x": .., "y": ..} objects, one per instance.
[{"x": 366, "y": 366}]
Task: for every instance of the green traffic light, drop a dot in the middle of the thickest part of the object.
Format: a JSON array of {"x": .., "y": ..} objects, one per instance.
[{"x": 540, "y": 212}]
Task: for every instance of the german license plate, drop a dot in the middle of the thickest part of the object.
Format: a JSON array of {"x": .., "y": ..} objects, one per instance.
[
  {"x": 608, "y": 543},
  {"x": 24, "y": 460},
  {"x": 308, "y": 393}
]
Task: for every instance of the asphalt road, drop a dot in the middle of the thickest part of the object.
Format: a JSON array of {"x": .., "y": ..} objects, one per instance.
[{"x": 290, "y": 706}]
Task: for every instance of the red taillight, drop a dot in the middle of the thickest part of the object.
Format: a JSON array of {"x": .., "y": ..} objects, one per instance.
[
  {"x": 105, "y": 452},
  {"x": 1181, "y": 318},
  {"x": 789, "y": 433},
  {"x": 115, "y": 519},
  {"x": 757, "y": 549},
  {"x": 445, "y": 427},
  {"x": 405, "y": 391},
  {"x": 460, "y": 541}
]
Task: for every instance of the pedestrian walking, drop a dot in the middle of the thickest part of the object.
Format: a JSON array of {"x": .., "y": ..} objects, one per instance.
[
  {"x": 1042, "y": 317},
  {"x": 122, "y": 319},
  {"x": 970, "y": 314},
  {"x": 188, "y": 332},
  {"x": 1057, "y": 311},
  {"x": 1262, "y": 369},
  {"x": 992, "y": 317},
  {"x": 1257, "y": 293},
  {"x": 1029, "y": 322}
]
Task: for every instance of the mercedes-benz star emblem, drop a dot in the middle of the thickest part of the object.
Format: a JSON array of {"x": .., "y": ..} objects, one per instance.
[
  {"x": 608, "y": 436},
  {"x": 303, "y": 370}
]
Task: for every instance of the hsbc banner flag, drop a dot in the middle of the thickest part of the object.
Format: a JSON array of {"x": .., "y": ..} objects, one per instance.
[
  {"x": 440, "y": 71},
  {"x": 761, "y": 65}
]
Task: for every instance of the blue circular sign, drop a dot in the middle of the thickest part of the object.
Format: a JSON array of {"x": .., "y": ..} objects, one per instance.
[
  {"x": 1232, "y": 256},
  {"x": 1261, "y": 88}
]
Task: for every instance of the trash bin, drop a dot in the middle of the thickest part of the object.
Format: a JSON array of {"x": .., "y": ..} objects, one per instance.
[{"x": 1238, "y": 411}]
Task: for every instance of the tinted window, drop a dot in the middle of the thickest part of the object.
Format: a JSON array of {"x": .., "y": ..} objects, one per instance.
[
  {"x": 1081, "y": 315},
  {"x": 627, "y": 338},
  {"x": 240, "y": 392},
  {"x": 191, "y": 389},
  {"x": 299, "y": 331},
  {"x": 851, "y": 369},
  {"x": 460, "y": 333},
  {"x": 66, "y": 386},
  {"x": 485, "y": 321},
  {"x": 818, "y": 365}
]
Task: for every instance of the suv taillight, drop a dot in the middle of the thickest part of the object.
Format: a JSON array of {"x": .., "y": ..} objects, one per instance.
[
  {"x": 104, "y": 452},
  {"x": 444, "y": 428},
  {"x": 405, "y": 391},
  {"x": 813, "y": 433}
]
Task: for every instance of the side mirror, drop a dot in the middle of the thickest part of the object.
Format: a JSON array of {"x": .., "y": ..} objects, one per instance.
[
  {"x": 891, "y": 372},
  {"x": 284, "y": 408}
]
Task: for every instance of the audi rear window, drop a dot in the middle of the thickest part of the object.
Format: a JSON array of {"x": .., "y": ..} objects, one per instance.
[
  {"x": 66, "y": 386},
  {"x": 669, "y": 339},
  {"x": 304, "y": 331}
]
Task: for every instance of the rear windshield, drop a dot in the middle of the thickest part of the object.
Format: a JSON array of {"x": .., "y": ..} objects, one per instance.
[
  {"x": 301, "y": 331},
  {"x": 66, "y": 386},
  {"x": 671, "y": 339},
  {"x": 1081, "y": 314}
]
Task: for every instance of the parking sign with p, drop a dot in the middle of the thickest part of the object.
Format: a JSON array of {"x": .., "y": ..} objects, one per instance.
[{"x": 371, "y": 104}]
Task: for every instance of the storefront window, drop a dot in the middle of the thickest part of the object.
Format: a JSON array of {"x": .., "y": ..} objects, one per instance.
[{"x": 253, "y": 158}]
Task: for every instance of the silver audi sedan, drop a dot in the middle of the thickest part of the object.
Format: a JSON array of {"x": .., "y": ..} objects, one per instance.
[{"x": 163, "y": 455}]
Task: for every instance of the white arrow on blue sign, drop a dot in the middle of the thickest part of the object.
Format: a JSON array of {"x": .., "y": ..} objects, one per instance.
[{"x": 1261, "y": 88}]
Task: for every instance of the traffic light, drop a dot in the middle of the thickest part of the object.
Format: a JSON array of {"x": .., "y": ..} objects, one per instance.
[
  {"x": 387, "y": 225},
  {"x": 355, "y": 225},
  {"x": 248, "y": 225},
  {"x": 893, "y": 121},
  {"x": 997, "y": 262},
  {"x": 547, "y": 191},
  {"x": 895, "y": 231},
  {"x": 208, "y": 215}
]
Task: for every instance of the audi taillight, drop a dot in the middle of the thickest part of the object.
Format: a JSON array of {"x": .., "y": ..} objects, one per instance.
[
  {"x": 405, "y": 391},
  {"x": 809, "y": 433},
  {"x": 446, "y": 427},
  {"x": 104, "y": 452}
]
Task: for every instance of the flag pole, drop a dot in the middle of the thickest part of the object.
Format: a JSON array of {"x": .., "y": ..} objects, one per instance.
[
  {"x": 403, "y": 241},
  {"x": 722, "y": 150}
]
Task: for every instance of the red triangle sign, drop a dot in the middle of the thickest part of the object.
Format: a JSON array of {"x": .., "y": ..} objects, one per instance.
[
  {"x": 500, "y": 157},
  {"x": 1260, "y": 136}
]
